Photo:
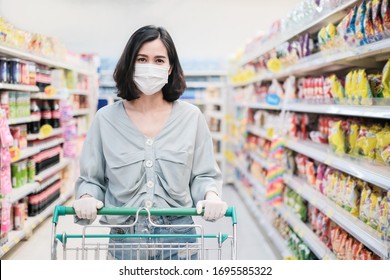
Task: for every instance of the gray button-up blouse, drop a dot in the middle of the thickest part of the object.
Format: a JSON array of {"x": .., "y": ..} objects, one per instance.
[{"x": 123, "y": 168}]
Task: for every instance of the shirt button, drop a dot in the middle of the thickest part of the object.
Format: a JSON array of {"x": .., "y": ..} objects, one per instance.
[
  {"x": 149, "y": 163},
  {"x": 149, "y": 142},
  {"x": 150, "y": 184},
  {"x": 148, "y": 204}
]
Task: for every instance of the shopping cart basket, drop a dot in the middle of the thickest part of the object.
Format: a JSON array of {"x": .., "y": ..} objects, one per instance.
[{"x": 103, "y": 245}]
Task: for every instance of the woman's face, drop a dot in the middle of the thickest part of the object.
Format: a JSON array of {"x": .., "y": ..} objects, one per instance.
[{"x": 153, "y": 52}]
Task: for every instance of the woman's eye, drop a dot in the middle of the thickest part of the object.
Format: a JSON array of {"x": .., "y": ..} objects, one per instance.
[
  {"x": 160, "y": 61},
  {"x": 141, "y": 59}
]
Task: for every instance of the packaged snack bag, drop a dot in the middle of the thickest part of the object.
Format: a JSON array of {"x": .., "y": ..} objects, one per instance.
[
  {"x": 368, "y": 24},
  {"x": 337, "y": 89},
  {"x": 364, "y": 209},
  {"x": 383, "y": 146},
  {"x": 386, "y": 16},
  {"x": 319, "y": 180},
  {"x": 386, "y": 79},
  {"x": 348, "y": 86},
  {"x": 366, "y": 142},
  {"x": 365, "y": 254},
  {"x": 363, "y": 88},
  {"x": 384, "y": 214},
  {"x": 324, "y": 232},
  {"x": 359, "y": 24},
  {"x": 310, "y": 172},
  {"x": 377, "y": 19},
  {"x": 375, "y": 201},
  {"x": 375, "y": 81},
  {"x": 350, "y": 35},
  {"x": 356, "y": 248},
  {"x": 354, "y": 88},
  {"x": 348, "y": 248},
  {"x": 352, "y": 196},
  {"x": 337, "y": 138},
  {"x": 352, "y": 138}
]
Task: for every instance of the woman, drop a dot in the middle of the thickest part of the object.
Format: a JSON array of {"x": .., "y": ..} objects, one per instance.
[{"x": 149, "y": 149}]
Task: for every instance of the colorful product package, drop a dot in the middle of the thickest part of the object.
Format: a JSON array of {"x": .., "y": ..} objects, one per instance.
[
  {"x": 368, "y": 24},
  {"x": 319, "y": 180},
  {"x": 352, "y": 196},
  {"x": 364, "y": 209},
  {"x": 384, "y": 214},
  {"x": 359, "y": 24},
  {"x": 377, "y": 20},
  {"x": 386, "y": 79},
  {"x": 375, "y": 201},
  {"x": 383, "y": 146},
  {"x": 376, "y": 86},
  {"x": 386, "y": 16},
  {"x": 337, "y": 138},
  {"x": 353, "y": 134},
  {"x": 363, "y": 88},
  {"x": 337, "y": 89},
  {"x": 367, "y": 140}
]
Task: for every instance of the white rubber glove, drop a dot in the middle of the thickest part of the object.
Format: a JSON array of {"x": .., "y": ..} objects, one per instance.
[
  {"x": 214, "y": 207},
  {"x": 86, "y": 207}
]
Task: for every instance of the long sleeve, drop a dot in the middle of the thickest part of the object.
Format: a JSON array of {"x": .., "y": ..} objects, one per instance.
[
  {"x": 92, "y": 165},
  {"x": 206, "y": 175}
]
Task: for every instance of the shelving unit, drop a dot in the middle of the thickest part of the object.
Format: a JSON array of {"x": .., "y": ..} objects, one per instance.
[
  {"x": 45, "y": 178},
  {"x": 212, "y": 104},
  {"x": 338, "y": 61}
]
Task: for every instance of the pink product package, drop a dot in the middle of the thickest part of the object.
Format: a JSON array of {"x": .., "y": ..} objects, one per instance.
[{"x": 70, "y": 149}]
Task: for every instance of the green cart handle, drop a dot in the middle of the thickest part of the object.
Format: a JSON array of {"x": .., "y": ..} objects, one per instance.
[{"x": 63, "y": 210}]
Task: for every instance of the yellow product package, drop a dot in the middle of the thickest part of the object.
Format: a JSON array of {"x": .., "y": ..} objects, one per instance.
[
  {"x": 352, "y": 195},
  {"x": 337, "y": 89},
  {"x": 386, "y": 80},
  {"x": 364, "y": 209},
  {"x": 348, "y": 86},
  {"x": 352, "y": 138},
  {"x": 337, "y": 138},
  {"x": 354, "y": 88},
  {"x": 375, "y": 201},
  {"x": 363, "y": 88},
  {"x": 366, "y": 142},
  {"x": 383, "y": 145},
  {"x": 384, "y": 213}
]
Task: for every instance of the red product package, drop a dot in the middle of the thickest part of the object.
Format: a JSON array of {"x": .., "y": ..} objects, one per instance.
[
  {"x": 319, "y": 183},
  {"x": 348, "y": 248},
  {"x": 324, "y": 231},
  {"x": 377, "y": 20},
  {"x": 356, "y": 248},
  {"x": 310, "y": 172},
  {"x": 300, "y": 160}
]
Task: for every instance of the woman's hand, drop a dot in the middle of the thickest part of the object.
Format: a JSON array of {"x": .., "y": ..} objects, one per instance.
[
  {"x": 214, "y": 207},
  {"x": 86, "y": 207}
]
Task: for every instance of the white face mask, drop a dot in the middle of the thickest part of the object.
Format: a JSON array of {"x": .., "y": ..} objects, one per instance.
[{"x": 150, "y": 78}]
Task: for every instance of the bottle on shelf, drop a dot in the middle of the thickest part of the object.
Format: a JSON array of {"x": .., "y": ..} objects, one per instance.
[
  {"x": 34, "y": 127},
  {"x": 55, "y": 114},
  {"x": 46, "y": 117}
]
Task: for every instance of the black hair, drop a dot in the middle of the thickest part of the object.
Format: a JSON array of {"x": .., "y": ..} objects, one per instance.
[{"x": 124, "y": 70}]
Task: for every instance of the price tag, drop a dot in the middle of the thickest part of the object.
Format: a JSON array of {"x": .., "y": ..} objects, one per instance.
[
  {"x": 15, "y": 153},
  {"x": 45, "y": 131},
  {"x": 16, "y": 240},
  {"x": 270, "y": 132},
  {"x": 274, "y": 65},
  {"x": 50, "y": 91}
]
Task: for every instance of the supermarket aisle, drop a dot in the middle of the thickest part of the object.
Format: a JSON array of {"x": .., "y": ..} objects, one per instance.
[{"x": 251, "y": 243}]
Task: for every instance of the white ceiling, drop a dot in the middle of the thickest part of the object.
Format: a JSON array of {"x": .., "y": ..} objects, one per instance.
[{"x": 201, "y": 29}]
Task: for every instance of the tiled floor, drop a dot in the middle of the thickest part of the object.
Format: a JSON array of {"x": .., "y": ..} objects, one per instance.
[{"x": 252, "y": 245}]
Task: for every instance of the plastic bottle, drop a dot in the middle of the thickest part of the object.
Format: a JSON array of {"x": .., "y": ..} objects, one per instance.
[
  {"x": 55, "y": 114},
  {"x": 45, "y": 113},
  {"x": 34, "y": 127}
]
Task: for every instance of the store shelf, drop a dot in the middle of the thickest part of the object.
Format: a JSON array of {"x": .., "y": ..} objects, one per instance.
[
  {"x": 374, "y": 111},
  {"x": 80, "y": 112},
  {"x": 19, "y": 193},
  {"x": 253, "y": 181},
  {"x": 376, "y": 174},
  {"x": 362, "y": 232},
  {"x": 9, "y": 51},
  {"x": 213, "y": 101},
  {"x": 56, "y": 131},
  {"x": 18, "y": 87},
  {"x": 266, "y": 225},
  {"x": 214, "y": 114},
  {"x": 205, "y": 84},
  {"x": 258, "y": 131},
  {"x": 265, "y": 163},
  {"x": 204, "y": 73},
  {"x": 333, "y": 16},
  {"x": 263, "y": 105},
  {"x": 27, "y": 152},
  {"x": 305, "y": 233},
  {"x": 43, "y": 96},
  {"x": 217, "y": 135},
  {"x": 52, "y": 170},
  {"x": 14, "y": 237},
  {"x": 24, "y": 120}
]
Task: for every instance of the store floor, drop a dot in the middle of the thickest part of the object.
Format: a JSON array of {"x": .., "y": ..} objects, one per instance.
[{"x": 251, "y": 244}]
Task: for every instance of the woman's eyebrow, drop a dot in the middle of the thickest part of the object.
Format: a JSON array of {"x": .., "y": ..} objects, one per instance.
[{"x": 157, "y": 56}]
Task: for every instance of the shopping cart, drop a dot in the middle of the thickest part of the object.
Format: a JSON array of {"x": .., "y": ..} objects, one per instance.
[{"x": 102, "y": 243}]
